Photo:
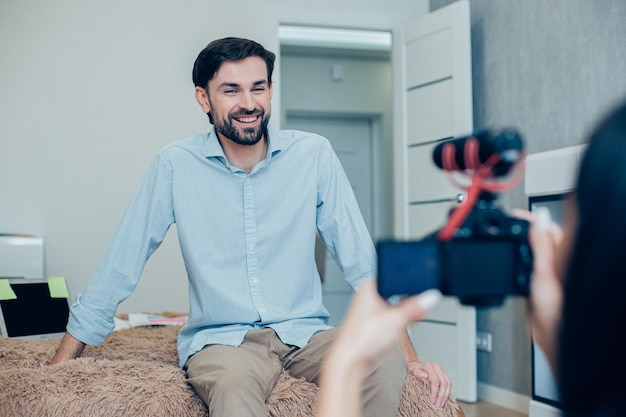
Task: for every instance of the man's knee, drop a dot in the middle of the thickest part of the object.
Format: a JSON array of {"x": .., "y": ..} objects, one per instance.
[
  {"x": 232, "y": 387},
  {"x": 229, "y": 380},
  {"x": 382, "y": 389},
  {"x": 391, "y": 368}
]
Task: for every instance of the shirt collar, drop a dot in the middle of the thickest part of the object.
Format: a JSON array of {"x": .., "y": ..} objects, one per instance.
[
  {"x": 276, "y": 141},
  {"x": 212, "y": 147}
]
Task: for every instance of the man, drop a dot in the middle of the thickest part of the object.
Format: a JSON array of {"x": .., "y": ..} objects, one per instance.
[{"x": 248, "y": 202}]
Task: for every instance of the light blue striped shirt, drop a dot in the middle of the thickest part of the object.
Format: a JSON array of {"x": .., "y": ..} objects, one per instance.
[{"x": 248, "y": 241}]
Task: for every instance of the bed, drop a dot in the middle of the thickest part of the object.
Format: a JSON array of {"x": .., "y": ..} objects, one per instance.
[{"x": 135, "y": 373}]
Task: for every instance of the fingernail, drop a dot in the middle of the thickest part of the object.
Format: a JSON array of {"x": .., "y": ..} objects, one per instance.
[
  {"x": 428, "y": 299},
  {"x": 542, "y": 219}
]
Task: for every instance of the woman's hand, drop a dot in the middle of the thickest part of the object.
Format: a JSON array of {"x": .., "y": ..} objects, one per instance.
[
  {"x": 372, "y": 326},
  {"x": 546, "y": 290}
]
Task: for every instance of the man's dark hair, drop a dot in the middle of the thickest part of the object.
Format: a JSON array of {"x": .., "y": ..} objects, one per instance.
[{"x": 217, "y": 52}]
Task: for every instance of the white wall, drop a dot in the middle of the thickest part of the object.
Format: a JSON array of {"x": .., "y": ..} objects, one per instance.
[{"x": 89, "y": 91}]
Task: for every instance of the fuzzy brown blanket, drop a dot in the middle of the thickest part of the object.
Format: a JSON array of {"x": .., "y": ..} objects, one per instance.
[{"x": 135, "y": 373}]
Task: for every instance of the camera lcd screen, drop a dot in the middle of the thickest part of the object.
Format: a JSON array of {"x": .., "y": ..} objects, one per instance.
[
  {"x": 480, "y": 268},
  {"x": 407, "y": 268}
]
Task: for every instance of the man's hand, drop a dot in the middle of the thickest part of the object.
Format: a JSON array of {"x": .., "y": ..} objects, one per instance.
[
  {"x": 440, "y": 386},
  {"x": 69, "y": 348}
]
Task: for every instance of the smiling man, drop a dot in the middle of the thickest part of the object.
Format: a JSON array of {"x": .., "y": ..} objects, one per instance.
[
  {"x": 237, "y": 101},
  {"x": 248, "y": 202}
]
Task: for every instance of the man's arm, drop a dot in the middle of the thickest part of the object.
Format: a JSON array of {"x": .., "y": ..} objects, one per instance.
[
  {"x": 69, "y": 348},
  {"x": 440, "y": 386},
  {"x": 117, "y": 273},
  {"x": 407, "y": 346}
]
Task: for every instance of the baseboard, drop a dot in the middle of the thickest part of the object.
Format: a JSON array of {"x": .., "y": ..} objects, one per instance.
[
  {"x": 538, "y": 409},
  {"x": 503, "y": 398}
]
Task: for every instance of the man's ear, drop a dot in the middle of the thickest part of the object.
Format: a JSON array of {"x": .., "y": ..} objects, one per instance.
[{"x": 202, "y": 97}]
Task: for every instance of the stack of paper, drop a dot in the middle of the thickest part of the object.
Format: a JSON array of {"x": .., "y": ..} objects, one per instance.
[{"x": 140, "y": 319}]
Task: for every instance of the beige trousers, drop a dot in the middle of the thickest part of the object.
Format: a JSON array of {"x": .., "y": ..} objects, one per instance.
[{"x": 236, "y": 381}]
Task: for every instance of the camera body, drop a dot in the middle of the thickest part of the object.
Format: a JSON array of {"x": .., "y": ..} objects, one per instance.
[{"x": 487, "y": 257}]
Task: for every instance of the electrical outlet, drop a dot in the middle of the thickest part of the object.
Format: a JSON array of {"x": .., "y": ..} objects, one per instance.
[{"x": 483, "y": 341}]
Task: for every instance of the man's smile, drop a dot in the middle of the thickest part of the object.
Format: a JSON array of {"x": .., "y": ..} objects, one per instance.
[{"x": 247, "y": 119}]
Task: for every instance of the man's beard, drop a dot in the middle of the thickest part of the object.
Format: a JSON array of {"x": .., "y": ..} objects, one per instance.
[{"x": 245, "y": 136}]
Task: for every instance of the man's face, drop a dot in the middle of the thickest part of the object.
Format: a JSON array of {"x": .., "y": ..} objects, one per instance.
[{"x": 238, "y": 98}]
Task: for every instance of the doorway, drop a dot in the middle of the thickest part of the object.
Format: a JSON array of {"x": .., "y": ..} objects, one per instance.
[
  {"x": 345, "y": 95},
  {"x": 352, "y": 138}
]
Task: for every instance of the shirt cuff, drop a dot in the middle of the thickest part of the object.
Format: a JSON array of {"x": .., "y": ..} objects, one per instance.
[{"x": 87, "y": 326}]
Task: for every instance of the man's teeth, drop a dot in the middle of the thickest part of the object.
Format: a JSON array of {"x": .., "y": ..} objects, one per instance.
[{"x": 247, "y": 119}]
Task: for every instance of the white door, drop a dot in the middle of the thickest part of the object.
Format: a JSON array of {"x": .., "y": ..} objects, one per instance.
[
  {"x": 352, "y": 140},
  {"x": 433, "y": 101}
]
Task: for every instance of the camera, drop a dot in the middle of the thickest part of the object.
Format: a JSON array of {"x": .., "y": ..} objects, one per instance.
[{"x": 481, "y": 255}]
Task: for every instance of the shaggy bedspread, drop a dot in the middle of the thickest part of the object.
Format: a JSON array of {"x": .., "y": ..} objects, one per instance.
[{"x": 135, "y": 373}]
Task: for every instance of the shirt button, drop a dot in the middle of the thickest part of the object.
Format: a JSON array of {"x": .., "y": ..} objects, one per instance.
[
  {"x": 251, "y": 247},
  {"x": 262, "y": 309},
  {"x": 254, "y": 280},
  {"x": 249, "y": 213}
]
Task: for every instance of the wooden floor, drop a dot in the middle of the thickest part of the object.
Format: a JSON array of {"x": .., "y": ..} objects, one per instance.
[{"x": 485, "y": 409}]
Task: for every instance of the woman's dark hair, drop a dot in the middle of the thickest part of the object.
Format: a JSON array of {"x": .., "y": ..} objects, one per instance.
[
  {"x": 592, "y": 363},
  {"x": 217, "y": 52}
]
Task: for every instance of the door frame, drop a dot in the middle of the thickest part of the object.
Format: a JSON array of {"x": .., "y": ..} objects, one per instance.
[{"x": 279, "y": 15}]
